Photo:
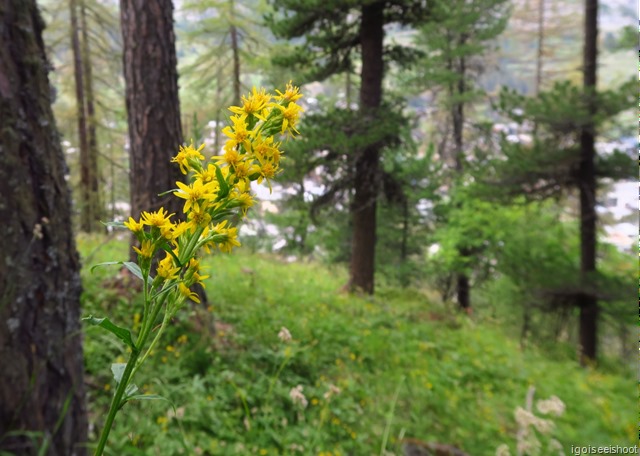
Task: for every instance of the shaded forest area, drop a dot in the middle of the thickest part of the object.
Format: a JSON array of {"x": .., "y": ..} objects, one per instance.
[{"x": 438, "y": 260}]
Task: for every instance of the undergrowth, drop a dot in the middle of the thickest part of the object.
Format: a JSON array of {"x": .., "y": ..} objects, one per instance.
[{"x": 372, "y": 371}]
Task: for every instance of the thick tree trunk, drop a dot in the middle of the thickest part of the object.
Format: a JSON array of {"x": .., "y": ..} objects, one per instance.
[
  {"x": 153, "y": 109},
  {"x": 92, "y": 134},
  {"x": 588, "y": 303},
  {"x": 363, "y": 211},
  {"x": 41, "y": 380},
  {"x": 86, "y": 215}
]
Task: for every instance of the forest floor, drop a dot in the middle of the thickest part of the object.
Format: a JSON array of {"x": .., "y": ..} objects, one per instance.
[{"x": 359, "y": 375}]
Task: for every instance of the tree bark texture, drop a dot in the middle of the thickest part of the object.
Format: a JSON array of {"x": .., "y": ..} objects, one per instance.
[
  {"x": 97, "y": 211},
  {"x": 153, "y": 108},
  {"x": 86, "y": 216},
  {"x": 41, "y": 380},
  {"x": 363, "y": 211},
  {"x": 588, "y": 303}
]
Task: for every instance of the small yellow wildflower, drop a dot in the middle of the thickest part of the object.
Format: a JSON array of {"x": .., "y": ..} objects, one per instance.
[
  {"x": 146, "y": 250},
  {"x": 185, "y": 154},
  {"x": 198, "y": 217},
  {"x": 207, "y": 175},
  {"x": 134, "y": 226},
  {"x": 194, "y": 193},
  {"x": 291, "y": 93},
  {"x": 184, "y": 290},
  {"x": 254, "y": 104},
  {"x": 238, "y": 133},
  {"x": 290, "y": 116},
  {"x": 231, "y": 156},
  {"x": 158, "y": 218},
  {"x": 166, "y": 268}
]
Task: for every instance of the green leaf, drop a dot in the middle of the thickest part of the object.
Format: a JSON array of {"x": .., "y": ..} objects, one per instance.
[
  {"x": 130, "y": 265},
  {"x": 106, "y": 263},
  {"x": 114, "y": 224},
  {"x": 117, "y": 369},
  {"x": 121, "y": 333},
  {"x": 134, "y": 268},
  {"x": 224, "y": 187}
]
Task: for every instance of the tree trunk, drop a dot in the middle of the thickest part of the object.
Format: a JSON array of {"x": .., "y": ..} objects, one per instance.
[
  {"x": 41, "y": 381},
  {"x": 540, "y": 54},
  {"x": 588, "y": 303},
  {"x": 95, "y": 201},
  {"x": 462, "y": 282},
  {"x": 236, "y": 63},
  {"x": 86, "y": 217},
  {"x": 153, "y": 108},
  {"x": 363, "y": 211}
]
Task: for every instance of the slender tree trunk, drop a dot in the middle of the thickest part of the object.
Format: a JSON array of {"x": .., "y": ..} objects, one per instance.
[
  {"x": 86, "y": 215},
  {"x": 363, "y": 211},
  {"x": 153, "y": 108},
  {"x": 462, "y": 281},
  {"x": 588, "y": 303},
  {"x": 235, "y": 49},
  {"x": 41, "y": 380},
  {"x": 540, "y": 54},
  {"x": 94, "y": 175}
]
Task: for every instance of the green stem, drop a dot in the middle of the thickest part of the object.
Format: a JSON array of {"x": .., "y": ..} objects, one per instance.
[
  {"x": 116, "y": 402},
  {"x": 165, "y": 320}
]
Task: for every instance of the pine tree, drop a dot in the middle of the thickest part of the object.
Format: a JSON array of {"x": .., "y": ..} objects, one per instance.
[
  {"x": 335, "y": 34},
  {"x": 561, "y": 160},
  {"x": 457, "y": 35}
]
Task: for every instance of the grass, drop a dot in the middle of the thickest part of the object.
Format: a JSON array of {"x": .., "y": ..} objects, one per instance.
[{"x": 404, "y": 365}]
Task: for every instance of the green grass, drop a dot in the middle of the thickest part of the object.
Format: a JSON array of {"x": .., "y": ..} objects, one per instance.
[{"x": 405, "y": 367}]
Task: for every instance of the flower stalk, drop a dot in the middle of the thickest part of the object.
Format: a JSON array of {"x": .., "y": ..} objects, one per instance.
[{"x": 216, "y": 196}]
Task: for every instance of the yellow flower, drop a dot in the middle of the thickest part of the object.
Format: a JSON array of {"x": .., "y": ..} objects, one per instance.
[
  {"x": 186, "y": 154},
  {"x": 134, "y": 226},
  {"x": 238, "y": 133},
  {"x": 158, "y": 218},
  {"x": 184, "y": 290},
  {"x": 146, "y": 250},
  {"x": 179, "y": 229},
  {"x": 195, "y": 192},
  {"x": 193, "y": 272},
  {"x": 291, "y": 93},
  {"x": 231, "y": 156},
  {"x": 208, "y": 175},
  {"x": 198, "y": 218},
  {"x": 166, "y": 268},
  {"x": 231, "y": 241},
  {"x": 254, "y": 104},
  {"x": 290, "y": 116}
]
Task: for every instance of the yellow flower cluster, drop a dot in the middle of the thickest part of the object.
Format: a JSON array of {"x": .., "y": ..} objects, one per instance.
[{"x": 216, "y": 191}]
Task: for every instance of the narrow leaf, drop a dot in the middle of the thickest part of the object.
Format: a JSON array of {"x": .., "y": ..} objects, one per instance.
[
  {"x": 120, "y": 333},
  {"x": 134, "y": 268}
]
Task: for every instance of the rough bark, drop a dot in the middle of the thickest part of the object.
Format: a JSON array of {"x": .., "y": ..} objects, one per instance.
[
  {"x": 153, "y": 108},
  {"x": 41, "y": 380},
  {"x": 367, "y": 162},
  {"x": 588, "y": 303},
  {"x": 91, "y": 122},
  {"x": 86, "y": 216}
]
